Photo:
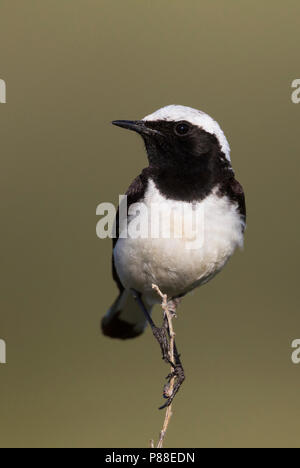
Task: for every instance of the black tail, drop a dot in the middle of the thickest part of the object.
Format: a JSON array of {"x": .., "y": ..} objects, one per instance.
[{"x": 124, "y": 319}]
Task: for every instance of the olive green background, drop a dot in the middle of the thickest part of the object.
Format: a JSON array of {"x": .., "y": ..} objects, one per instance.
[{"x": 70, "y": 68}]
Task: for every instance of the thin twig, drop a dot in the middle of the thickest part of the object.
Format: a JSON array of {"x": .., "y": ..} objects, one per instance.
[{"x": 169, "y": 316}]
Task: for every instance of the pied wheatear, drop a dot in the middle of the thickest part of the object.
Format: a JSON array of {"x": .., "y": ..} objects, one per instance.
[{"x": 189, "y": 167}]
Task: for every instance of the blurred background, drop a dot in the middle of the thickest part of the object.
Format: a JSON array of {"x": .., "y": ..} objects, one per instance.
[{"x": 70, "y": 68}]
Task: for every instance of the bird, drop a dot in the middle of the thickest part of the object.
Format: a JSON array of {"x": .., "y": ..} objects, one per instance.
[{"x": 189, "y": 170}]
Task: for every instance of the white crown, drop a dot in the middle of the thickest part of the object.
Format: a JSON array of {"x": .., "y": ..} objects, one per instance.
[{"x": 177, "y": 113}]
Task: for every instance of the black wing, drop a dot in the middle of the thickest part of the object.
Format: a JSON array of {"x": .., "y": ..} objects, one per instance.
[
  {"x": 234, "y": 191},
  {"x": 237, "y": 194},
  {"x": 135, "y": 193}
]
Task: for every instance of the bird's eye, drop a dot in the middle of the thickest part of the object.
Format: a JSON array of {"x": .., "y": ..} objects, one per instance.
[{"x": 182, "y": 128}]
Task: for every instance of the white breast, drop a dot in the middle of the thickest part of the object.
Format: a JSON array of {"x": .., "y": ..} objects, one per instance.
[{"x": 200, "y": 244}]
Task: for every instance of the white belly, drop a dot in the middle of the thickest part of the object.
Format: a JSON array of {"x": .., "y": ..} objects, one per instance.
[{"x": 196, "y": 248}]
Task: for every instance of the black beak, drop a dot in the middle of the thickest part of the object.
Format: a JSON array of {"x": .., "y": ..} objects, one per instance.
[{"x": 138, "y": 126}]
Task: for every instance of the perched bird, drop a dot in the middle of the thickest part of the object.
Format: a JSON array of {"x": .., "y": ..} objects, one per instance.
[{"x": 189, "y": 167}]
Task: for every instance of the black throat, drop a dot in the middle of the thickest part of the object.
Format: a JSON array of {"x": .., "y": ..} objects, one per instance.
[
  {"x": 185, "y": 161},
  {"x": 191, "y": 179}
]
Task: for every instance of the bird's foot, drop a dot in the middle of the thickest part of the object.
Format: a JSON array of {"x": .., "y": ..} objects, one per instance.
[{"x": 170, "y": 391}]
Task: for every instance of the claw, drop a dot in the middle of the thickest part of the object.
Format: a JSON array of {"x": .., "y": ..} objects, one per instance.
[
  {"x": 178, "y": 373},
  {"x": 164, "y": 406}
]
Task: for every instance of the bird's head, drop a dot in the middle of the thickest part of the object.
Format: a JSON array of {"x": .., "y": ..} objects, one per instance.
[{"x": 180, "y": 137}]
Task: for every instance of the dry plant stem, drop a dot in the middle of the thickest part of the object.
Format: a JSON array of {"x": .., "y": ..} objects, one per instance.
[{"x": 168, "y": 316}]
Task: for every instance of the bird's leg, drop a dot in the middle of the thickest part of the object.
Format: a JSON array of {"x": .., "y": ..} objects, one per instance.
[
  {"x": 178, "y": 371},
  {"x": 161, "y": 334}
]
